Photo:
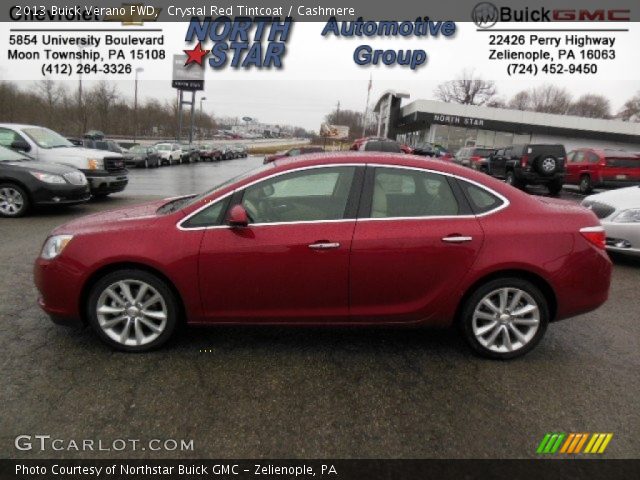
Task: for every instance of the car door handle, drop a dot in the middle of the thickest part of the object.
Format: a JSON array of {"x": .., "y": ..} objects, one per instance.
[
  {"x": 324, "y": 245},
  {"x": 457, "y": 239}
]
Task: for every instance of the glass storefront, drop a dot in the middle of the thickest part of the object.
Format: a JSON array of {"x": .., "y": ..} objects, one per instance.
[{"x": 454, "y": 137}]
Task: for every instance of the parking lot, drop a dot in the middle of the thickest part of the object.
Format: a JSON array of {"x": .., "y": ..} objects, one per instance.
[{"x": 282, "y": 393}]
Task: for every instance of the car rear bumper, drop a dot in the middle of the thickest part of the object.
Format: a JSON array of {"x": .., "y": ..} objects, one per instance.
[
  {"x": 60, "y": 195},
  {"x": 607, "y": 183},
  {"x": 533, "y": 178},
  {"x": 623, "y": 237}
]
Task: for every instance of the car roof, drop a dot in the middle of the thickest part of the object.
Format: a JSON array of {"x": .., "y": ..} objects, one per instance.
[
  {"x": 21, "y": 125},
  {"x": 608, "y": 152}
]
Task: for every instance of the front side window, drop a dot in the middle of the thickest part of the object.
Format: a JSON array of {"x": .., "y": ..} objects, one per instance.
[
  {"x": 308, "y": 195},
  {"x": 209, "y": 216},
  {"x": 7, "y": 137},
  {"x": 411, "y": 193}
]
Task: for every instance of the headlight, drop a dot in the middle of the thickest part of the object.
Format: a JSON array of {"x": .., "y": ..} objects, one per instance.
[
  {"x": 93, "y": 164},
  {"x": 76, "y": 178},
  {"x": 54, "y": 246},
  {"x": 48, "y": 177},
  {"x": 628, "y": 216}
]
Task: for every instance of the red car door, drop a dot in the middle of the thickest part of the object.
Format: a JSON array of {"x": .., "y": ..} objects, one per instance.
[
  {"x": 577, "y": 166},
  {"x": 291, "y": 263},
  {"x": 412, "y": 247}
]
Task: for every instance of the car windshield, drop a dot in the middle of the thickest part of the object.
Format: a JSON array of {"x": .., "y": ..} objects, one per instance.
[
  {"x": 179, "y": 203},
  {"x": 7, "y": 155},
  {"x": 46, "y": 138},
  {"x": 163, "y": 147}
]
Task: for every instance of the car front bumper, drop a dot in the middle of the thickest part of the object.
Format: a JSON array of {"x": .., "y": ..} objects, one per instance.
[
  {"x": 623, "y": 237},
  {"x": 54, "y": 194},
  {"x": 101, "y": 181},
  {"x": 59, "y": 286}
]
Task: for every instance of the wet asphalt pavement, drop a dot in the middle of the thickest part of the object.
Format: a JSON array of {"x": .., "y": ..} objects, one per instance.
[{"x": 275, "y": 392}]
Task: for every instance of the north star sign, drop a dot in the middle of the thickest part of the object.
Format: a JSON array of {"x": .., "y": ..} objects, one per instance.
[{"x": 456, "y": 120}]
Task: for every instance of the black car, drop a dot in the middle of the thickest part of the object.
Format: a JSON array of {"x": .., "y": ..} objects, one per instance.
[
  {"x": 143, "y": 157},
  {"x": 530, "y": 164},
  {"x": 26, "y": 183},
  {"x": 381, "y": 146}
]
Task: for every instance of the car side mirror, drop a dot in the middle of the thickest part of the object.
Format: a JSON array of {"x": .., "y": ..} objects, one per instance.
[
  {"x": 20, "y": 145},
  {"x": 238, "y": 216}
]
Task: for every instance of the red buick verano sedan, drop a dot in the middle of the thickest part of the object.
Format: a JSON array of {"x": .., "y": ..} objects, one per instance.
[{"x": 332, "y": 239}]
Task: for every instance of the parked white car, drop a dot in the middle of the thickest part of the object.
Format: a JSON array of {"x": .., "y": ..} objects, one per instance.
[
  {"x": 619, "y": 213},
  {"x": 169, "y": 153},
  {"x": 104, "y": 170}
]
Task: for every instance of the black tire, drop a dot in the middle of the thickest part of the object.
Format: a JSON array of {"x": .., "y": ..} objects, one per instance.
[
  {"x": 547, "y": 165},
  {"x": 473, "y": 301},
  {"x": 146, "y": 163},
  {"x": 159, "y": 285},
  {"x": 100, "y": 196},
  {"x": 555, "y": 187},
  {"x": 585, "y": 185},
  {"x": 18, "y": 204},
  {"x": 510, "y": 179},
  {"x": 466, "y": 319}
]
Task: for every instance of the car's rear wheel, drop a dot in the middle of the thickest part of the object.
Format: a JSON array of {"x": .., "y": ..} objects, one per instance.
[
  {"x": 505, "y": 318},
  {"x": 555, "y": 187},
  {"x": 585, "y": 184},
  {"x": 132, "y": 310},
  {"x": 14, "y": 201},
  {"x": 510, "y": 179}
]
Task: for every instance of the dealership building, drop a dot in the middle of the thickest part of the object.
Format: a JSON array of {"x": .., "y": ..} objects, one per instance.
[{"x": 455, "y": 126}]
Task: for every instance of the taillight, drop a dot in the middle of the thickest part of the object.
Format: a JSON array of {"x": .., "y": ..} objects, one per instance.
[
  {"x": 595, "y": 236},
  {"x": 524, "y": 161}
]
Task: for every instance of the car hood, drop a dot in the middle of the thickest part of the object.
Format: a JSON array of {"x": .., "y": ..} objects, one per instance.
[
  {"x": 112, "y": 218},
  {"x": 628, "y": 197},
  {"x": 46, "y": 167},
  {"x": 81, "y": 152}
]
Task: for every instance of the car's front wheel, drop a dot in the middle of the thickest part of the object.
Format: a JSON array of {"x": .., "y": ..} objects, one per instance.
[
  {"x": 14, "y": 201},
  {"x": 510, "y": 179},
  {"x": 505, "y": 318},
  {"x": 132, "y": 310}
]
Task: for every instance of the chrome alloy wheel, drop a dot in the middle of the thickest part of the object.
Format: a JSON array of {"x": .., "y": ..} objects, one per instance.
[
  {"x": 506, "y": 320},
  {"x": 11, "y": 201},
  {"x": 131, "y": 312}
]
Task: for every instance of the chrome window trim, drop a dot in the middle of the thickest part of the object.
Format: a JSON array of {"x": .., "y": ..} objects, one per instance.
[{"x": 505, "y": 201}]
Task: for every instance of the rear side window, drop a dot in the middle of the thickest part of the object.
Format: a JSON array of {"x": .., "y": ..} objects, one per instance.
[
  {"x": 481, "y": 200},
  {"x": 407, "y": 193}
]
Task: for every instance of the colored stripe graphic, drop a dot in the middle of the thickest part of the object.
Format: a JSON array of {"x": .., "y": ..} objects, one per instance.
[
  {"x": 598, "y": 442},
  {"x": 550, "y": 443},
  {"x": 572, "y": 443}
]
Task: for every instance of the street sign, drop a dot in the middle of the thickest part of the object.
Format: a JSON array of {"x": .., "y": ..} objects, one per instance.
[{"x": 190, "y": 77}]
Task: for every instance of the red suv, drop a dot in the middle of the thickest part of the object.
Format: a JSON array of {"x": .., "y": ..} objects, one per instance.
[
  {"x": 592, "y": 167},
  {"x": 349, "y": 239}
]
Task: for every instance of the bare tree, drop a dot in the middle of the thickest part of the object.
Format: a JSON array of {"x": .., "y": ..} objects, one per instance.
[
  {"x": 591, "y": 106},
  {"x": 630, "y": 111},
  {"x": 466, "y": 89},
  {"x": 103, "y": 97},
  {"x": 521, "y": 101},
  {"x": 550, "y": 99},
  {"x": 51, "y": 93}
]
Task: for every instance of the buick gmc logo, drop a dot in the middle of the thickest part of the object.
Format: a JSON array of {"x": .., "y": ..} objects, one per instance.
[{"x": 486, "y": 15}]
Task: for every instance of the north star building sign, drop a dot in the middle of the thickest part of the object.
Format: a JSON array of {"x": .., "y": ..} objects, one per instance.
[{"x": 456, "y": 120}]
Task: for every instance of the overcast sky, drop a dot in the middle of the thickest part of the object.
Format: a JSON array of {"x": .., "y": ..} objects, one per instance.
[{"x": 305, "y": 103}]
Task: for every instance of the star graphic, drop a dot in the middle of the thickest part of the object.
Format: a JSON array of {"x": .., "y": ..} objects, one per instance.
[{"x": 195, "y": 55}]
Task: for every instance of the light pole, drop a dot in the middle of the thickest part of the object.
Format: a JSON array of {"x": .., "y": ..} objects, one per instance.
[
  {"x": 135, "y": 105},
  {"x": 201, "y": 100}
]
